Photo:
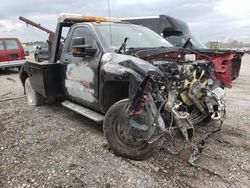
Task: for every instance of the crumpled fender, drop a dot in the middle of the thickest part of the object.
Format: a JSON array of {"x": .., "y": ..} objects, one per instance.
[
  {"x": 135, "y": 71},
  {"x": 119, "y": 67},
  {"x": 143, "y": 115}
]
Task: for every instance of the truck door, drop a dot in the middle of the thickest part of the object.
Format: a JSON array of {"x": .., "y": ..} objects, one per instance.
[{"x": 81, "y": 73}]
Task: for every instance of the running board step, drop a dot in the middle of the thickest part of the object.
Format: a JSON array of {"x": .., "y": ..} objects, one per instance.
[{"x": 95, "y": 116}]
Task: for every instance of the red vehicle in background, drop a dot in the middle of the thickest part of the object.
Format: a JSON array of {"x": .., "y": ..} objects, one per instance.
[{"x": 11, "y": 53}]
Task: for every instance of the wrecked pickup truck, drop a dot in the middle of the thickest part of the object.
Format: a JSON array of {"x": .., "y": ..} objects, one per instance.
[{"x": 125, "y": 76}]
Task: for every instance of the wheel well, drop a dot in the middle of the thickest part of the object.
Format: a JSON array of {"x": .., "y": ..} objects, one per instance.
[{"x": 114, "y": 91}]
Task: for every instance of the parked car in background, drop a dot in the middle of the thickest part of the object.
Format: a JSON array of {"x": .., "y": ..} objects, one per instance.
[
  {"x": 41, "y": 52},
  {"x": 11, "y": 53}
]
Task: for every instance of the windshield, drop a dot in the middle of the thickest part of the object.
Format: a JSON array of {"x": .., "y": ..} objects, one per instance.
[
  {"x": 138, "y": 37},
  {"x": 179, "y": 41}
]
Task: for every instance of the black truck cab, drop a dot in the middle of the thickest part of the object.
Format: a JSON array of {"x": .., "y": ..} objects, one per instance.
[
  {"x": 90, "y": 70},
  {"x": 92, "y": 73}
]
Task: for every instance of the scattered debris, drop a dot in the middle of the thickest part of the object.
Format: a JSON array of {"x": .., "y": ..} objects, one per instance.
[
  {"x": 14, "y": 98},
  {"x": 11, "y": 79}
]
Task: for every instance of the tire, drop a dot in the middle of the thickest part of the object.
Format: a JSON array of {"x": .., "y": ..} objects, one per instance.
[
  {"x": 138, "y": 150},
  {"x": 33, "y": 98}
]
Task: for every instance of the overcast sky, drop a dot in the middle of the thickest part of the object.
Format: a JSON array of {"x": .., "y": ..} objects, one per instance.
[{"x": 207, "y": 19}]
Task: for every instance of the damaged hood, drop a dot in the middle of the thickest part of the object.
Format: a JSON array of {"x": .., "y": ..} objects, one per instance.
[
  {"x": 226, "y": 63},
  {"x": 174, "y": 53}
]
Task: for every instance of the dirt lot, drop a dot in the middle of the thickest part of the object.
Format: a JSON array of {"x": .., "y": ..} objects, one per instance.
[{"x": 51, "y": 146}]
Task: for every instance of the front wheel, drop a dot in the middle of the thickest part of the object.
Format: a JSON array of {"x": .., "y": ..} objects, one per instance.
[
  {"x": 118, "y": 140},
  {"x": 33, "y": 98}
]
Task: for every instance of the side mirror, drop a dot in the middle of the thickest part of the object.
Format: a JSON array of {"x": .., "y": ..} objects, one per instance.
[{"x": 80, "y": 49}]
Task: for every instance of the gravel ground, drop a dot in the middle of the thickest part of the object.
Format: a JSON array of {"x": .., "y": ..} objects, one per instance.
[{"x": 50, "y": 146}]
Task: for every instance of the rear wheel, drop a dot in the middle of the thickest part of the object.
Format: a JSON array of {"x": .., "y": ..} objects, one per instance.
[
  {"x": 117, "y": 139},
  {"x": 33, "y": 98}
]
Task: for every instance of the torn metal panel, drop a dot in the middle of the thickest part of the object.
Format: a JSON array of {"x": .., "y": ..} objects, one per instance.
[{"x": 79, "y": 81}]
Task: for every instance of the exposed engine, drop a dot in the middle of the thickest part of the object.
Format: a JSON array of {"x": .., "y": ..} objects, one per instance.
[
  {"x": 182, "y": 98},
  {"x": 189, "y": 94}
]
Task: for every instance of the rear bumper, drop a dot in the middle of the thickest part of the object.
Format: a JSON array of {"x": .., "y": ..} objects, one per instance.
[{"x": 12, "y": 64}]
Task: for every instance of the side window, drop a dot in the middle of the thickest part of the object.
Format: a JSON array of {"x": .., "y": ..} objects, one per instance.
[
  {"x": 88, "y": 35},
  {"x": 11, "y": 44},
  {"x": 1, "y": 45}
]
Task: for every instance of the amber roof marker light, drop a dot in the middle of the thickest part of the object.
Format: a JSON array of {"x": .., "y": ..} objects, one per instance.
[{"x": 68, "y": 17}]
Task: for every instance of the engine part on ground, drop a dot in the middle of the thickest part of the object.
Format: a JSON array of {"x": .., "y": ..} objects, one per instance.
[{"x": 200, "y": 146}]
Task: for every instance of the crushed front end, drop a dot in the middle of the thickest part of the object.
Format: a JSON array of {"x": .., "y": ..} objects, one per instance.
[{"x": 184, "y": 97}]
